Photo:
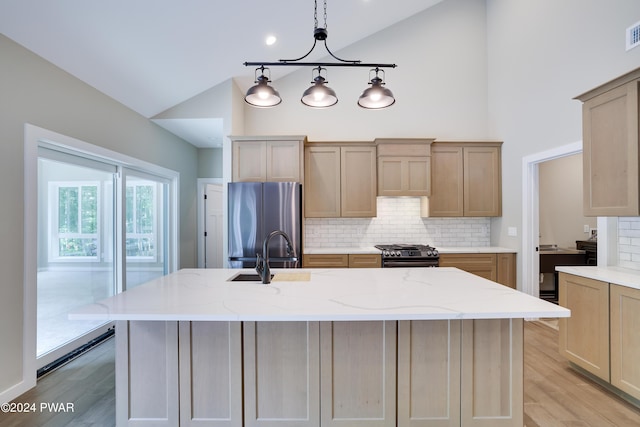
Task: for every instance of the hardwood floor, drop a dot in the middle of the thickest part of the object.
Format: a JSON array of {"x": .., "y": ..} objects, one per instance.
[
  {"x": 87, "y": 382},
  {"x": 554, "y": 395}
]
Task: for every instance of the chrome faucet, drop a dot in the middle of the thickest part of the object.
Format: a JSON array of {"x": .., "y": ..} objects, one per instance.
[{"x": 262, "y": 262}]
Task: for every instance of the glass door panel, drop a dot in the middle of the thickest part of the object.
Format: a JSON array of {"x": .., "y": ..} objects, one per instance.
[
  {"x": 145, "y": 228},
  {"x": 75, "y": 249}
]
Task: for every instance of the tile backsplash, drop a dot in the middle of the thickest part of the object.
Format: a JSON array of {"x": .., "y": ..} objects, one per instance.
[
  {"x": 629, "y": 242},
  {"x": 398, "y": 221}
]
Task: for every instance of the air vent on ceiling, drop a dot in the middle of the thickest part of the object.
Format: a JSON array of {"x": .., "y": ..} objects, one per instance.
[{"x": 633, "y": 36}]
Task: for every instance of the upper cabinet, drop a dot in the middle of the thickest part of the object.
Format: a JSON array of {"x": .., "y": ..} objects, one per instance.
[
  {"x": 404, "y": 167},
  {"x": 466, "y": 180},
  {"x": 610, "y": 131},
  {"x": 340, "y": 180},
  {"x": 268, "y": 159}
]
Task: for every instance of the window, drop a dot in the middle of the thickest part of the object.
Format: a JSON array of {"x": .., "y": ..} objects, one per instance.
[
  {"x": 142, "y": 212},
  {"x": 74, "y": 221}
]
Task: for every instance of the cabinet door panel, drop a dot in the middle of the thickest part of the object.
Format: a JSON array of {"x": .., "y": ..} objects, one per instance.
[
  {"x": 249, "y": 161},
  {"x": 281, "y": 374},
  {"x": 210, "y": 374},
  {"x": 429, "y": 373},
  {"x": 610, "y": 138},
  {"x": 322, "y": 182},
  {"x": 283, "y": 161},
  {"x": 358, "y": 384},
  {"x": 584, "y": 337},
  {"x": 625, "y": 339},
  {"x": 358, "y": 181},
  {"x": 492, "y": 373},
  {"x": 147, "y": 381},
  {"x": 447, "y": 197},
  {"x": 482, "y": 195}
]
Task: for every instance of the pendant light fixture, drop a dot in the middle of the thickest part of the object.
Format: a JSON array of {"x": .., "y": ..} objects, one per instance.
[
  {"x": 262, "y": 95},
  {"x": 319, "y": 95},
  {"x": 376, "y": 96}
]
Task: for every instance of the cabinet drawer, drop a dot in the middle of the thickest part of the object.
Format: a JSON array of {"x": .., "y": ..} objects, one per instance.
[
  {"x": 483, "y": 265},
  {"x": 325, "y": 261},
  {"x": 365, "y": 261}
]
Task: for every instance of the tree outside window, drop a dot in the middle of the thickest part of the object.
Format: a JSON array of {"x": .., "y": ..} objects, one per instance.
[{"x": 77, "y": 221}]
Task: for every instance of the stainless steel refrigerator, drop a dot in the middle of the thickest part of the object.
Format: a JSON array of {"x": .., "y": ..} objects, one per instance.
[{"x": 255, "y": 210}]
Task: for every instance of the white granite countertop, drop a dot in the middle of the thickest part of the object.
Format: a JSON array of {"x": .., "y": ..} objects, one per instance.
[
  {"x": 328, "y": 294},
  {"x": 617, "y": 275},
  {"x": 444, "y": 250}
]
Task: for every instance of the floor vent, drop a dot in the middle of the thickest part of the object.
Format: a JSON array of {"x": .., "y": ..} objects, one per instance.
[{"x": 633, "y": 36}]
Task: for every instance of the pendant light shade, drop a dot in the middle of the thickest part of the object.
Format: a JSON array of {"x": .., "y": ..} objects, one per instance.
[
  {"x": 262, "y": 95},
  {"x": 319, "y": 95},
  {"x": 377, "y": 96}
]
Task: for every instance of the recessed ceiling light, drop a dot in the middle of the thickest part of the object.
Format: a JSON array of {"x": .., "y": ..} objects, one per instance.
[{"x": 270, "y": 40}]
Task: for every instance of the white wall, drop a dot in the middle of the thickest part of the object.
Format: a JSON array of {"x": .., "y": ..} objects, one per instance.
[
  {"x": 440, "y": 83},
  {"x": 560, "y": 201},
  {"x": 33, "y": 90}
]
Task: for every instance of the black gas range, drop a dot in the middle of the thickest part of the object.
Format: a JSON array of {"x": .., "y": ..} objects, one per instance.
[{"x": 403, "y": 255}]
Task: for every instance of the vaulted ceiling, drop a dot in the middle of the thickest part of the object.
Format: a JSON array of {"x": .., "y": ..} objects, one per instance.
[{"x": 151, "y": 55}]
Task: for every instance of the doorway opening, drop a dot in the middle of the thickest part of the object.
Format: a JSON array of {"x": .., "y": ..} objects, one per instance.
[{"x": 531, "y": 213}]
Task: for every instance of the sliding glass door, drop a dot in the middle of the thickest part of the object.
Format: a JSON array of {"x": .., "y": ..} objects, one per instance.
[
  {"x": 102, "y": 228},
  {"x": 75, "y": 259},
  {"x": 145, "y": 227}
]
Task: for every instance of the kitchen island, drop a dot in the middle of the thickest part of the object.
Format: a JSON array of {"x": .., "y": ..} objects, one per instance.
[{"x": 336, "y": 347}]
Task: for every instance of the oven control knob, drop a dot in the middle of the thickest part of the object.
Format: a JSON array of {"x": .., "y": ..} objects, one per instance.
[
  {"x": 385, "y": 253},
  {"x": 397, "y": 253}
]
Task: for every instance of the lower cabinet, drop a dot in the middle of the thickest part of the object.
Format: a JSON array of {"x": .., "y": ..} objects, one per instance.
[
  {"x": 625, "y": 339},
  {"x": 430, "y": 373},
  {"x": 584, "y": 337},
  {"x": 498, "y": 267},
  {"x": 341, "y": 261},
  {"x": 601, "y": 336}
]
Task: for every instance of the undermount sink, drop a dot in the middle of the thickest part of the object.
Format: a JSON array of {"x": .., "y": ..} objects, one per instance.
[{"x": 246, "y": 277}]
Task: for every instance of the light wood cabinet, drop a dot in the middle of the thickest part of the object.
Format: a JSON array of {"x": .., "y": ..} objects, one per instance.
[
  {"x": 340, "y": 180},
  {"x": 404, "y": 167},
  {"x": 342, "y": 261},
  {"x": 325, "y": 261},
  {"x": 273, "y": 159},
  {"x": 625, "y": 339},
  {"x": 483, "y": 265},
  {"x": 499, "y": 267},
  {"x": 506, "y": 267},
  {"x": 147, "y": 385},
  {"x": 460, "y": 373},
  {"x": 429, "y": 373},
  {"x": 584, "y": 337},
  {"x": 492, "y": 373},
  {"x": 610, "y": 137},
  {"x": 365, "y": 261},
  {"x": 322, "y": 182},
  {"x": 358, "y": 374},
  {"x": 281, "y": 374},
  {"x": 210, "y": 355},
  {"x": 466, "y": 180},
  {"x": 358, "y": 181}
]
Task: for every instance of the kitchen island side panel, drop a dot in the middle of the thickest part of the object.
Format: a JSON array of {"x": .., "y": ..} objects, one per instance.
[{"x": 449, "y": 373}]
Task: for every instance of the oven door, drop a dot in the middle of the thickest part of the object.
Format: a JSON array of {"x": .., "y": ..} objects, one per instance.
[{"x": 409, "y": 262}]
